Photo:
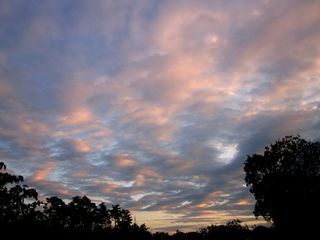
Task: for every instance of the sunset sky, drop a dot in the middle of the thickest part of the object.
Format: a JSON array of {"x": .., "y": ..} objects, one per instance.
[{"x": 155, "y": 104}]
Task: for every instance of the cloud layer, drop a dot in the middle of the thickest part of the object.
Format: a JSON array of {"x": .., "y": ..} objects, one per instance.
[{"x": 155, "y": 104}]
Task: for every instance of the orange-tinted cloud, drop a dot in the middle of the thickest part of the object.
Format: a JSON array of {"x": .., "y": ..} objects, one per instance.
[
  {"x": 43, "y": 172},
  {"x": 124, "y": 161},
  {"x": 77, "y": 117},
  {"x": 81, "y": 145}
]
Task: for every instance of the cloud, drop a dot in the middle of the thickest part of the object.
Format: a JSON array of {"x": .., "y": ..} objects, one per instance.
[
  {"x": 155, "y": 105},
  {"x": 77, "y": 117},
  {"x": 43, "y": 172}
]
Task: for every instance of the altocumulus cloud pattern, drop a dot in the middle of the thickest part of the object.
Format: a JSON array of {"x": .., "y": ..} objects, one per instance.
[{"x": 155, "y": 104}]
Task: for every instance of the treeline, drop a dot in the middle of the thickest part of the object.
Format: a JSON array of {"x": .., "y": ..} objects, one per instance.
[
  {"x": 285, "y": 181},
  {"x": 23, "y": 214}
]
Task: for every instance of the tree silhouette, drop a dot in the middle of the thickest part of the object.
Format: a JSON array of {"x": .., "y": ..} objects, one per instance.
[
  {"x": 56, "y": 212},
  {"x": 115, "y": 215},
  {"x": 231, "y": 230},
  {"x": 285, "y": 182},
  {"x": 22, "y": 214},
  {"x": 103, "y": 219},
  {"x": 161, "y": 236},
  {"x": 82, "y": 213},
  {"x": 125, "y": 219},
  {"x": 13, "y": 196}
]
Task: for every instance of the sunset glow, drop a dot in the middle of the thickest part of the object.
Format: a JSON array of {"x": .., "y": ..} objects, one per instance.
[{"x": 154, "y": 105}]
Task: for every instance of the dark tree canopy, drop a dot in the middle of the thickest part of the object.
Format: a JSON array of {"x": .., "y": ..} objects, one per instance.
[
  {"x": 17, "y": 203},
  {"x": 285, "y": 181},
  {"x": 22, "y": 215},
  {"x": 21, "y": 210}
]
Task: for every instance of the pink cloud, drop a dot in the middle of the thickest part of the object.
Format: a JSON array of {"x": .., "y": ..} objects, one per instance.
[
  {"x": 81, "y": 145},
  {"x": 124, "y": 161},
  {"x": 77, "y": 117},
  {"x": 42, "y": 173},
  {"x": 145, "y": 175},
  {"x": 118, "y": 115}
]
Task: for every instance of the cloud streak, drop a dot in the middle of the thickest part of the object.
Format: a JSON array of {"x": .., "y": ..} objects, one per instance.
[{"x": 155, "y": 105}]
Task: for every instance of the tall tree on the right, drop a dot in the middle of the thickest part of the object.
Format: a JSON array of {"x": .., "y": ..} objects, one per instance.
[{"x": 285, "y": 181}]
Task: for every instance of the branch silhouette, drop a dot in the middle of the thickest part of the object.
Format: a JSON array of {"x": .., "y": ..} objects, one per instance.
[{"x": 285, "y": 181}]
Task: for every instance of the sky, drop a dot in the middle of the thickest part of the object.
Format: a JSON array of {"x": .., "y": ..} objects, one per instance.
[{"x": 155, "y": 105}]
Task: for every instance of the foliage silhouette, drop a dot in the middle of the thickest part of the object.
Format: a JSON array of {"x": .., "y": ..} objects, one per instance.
[
  {"x": 56, "y": 212},
  {"x": 20, "y": 209},
  {"x": 232, "y": 230},
  {"x": 161, "y": 236},
  {"x": 285, "y": 182},
  {"x": 22, "y": 214},
  {"x": 17, "y": 203}
]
